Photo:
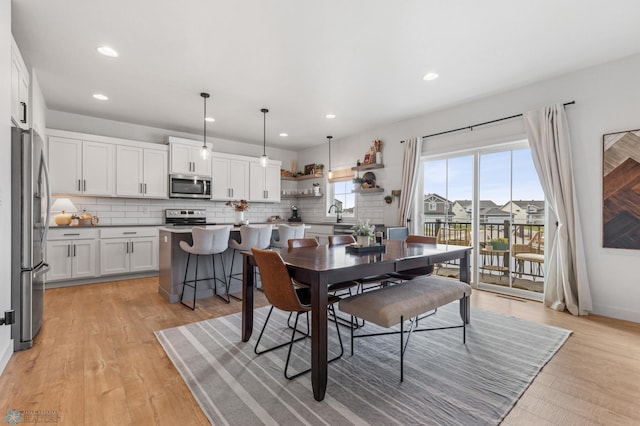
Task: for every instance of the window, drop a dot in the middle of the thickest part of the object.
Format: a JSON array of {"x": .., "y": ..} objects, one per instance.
[
  {"x": 433, "y": 207},
  {"x": 341, "y": 194}
]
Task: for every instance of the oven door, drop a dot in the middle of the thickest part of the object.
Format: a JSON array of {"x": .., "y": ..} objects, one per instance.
[{"x": 183, "y": 186}]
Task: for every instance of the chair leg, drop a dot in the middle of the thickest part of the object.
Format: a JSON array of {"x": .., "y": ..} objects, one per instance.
[
  {"x": 216, "y": 279},
  {"x": 195, "y": 284},
  {"x": 255, "y": 349},
  {"x": 184, "y": 282},
  {"x": 401, "y": 349},
  {"x": 231, "y": 276}
]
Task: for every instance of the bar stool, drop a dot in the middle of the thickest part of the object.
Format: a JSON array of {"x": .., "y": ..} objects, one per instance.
[
  {"x": 207, "y": 241},
  {"x": 286, "y": 233},
  {"x": 251, "y": 236}
]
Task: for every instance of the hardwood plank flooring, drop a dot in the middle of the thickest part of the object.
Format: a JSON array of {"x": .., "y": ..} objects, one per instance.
[{"x": 97, "y": 362}]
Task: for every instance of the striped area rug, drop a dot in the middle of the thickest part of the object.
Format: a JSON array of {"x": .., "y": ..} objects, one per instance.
[{"x": 445, "y": 382}]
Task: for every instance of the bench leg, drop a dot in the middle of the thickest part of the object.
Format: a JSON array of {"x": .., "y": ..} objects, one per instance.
[
  {"x": 401, "y": 349},
  {"x": 351, "y": 328}
]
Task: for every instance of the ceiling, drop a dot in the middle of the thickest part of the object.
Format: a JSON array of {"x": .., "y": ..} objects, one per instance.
[{"x": 362, "y": 60}]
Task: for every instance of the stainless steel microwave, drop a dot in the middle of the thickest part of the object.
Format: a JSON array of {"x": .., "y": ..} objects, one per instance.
[{"x": 185, "y": 186}]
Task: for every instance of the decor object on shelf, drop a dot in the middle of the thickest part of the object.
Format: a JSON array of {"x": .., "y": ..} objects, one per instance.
[
  {"x": 388, "y": 199},
  {"x": 377, "y": 146},
  {"x": 309, "y": 169},
  {"x": 204, "y": 151},
  {"x": 364, "y": 232},
  {"x": 264, "y": 160},
  {"x": 316, "y": 189},
  {"x": 369, "y": 181},
  {"x": 63, "y": 205}
]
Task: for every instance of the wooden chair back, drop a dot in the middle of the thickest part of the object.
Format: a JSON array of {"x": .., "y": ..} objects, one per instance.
[
  {"x": 340, "y": 240},
  {"x": 302, "y": 242},
  {"x": 422, "y": 239},
  {"x": 276, "y": 281}
]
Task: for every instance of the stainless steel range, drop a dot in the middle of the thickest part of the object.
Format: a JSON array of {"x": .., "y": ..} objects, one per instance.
[{"x": 186, "y": 217}]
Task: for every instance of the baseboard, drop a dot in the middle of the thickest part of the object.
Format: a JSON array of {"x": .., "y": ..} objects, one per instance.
[
  {"x": 617, "y": 313},
  {"x": 5, "y": 355},
  {"x": 101, "y": 279}
]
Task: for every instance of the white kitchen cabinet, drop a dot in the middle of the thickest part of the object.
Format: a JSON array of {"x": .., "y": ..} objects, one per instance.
[
  {"x": 71, "y": 254},
  {"x": 81, "y": 167},
  {"x": 19, "y": 88},
  {"x": 230, "y": 177},
  {"x": 264, "y": 182},
  {"x": 37, "y": 106},
  {"x": 141, "y": 172},
  {"x": 185, "y": 158},
  {"x": 319, "y": 232},
  {"x": 125, "y": 250}
]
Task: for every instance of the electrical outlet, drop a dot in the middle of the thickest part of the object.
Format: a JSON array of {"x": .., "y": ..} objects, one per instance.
[{"x": 9, "y": 318}]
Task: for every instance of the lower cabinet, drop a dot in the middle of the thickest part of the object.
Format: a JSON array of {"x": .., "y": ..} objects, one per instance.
[
  {"x": 127, "y": 250},
  {"x": 71, "y": 254}
]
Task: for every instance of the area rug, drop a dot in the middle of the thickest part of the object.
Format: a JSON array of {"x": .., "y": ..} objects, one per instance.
[{"x": 445, "y": 381}]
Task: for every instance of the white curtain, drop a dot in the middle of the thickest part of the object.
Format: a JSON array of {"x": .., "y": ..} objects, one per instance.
[
  {"x": 567, "y": 284},
  {"x": 410, "y": 164}
]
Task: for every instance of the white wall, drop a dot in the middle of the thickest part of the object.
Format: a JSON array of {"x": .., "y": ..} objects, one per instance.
[
  {"x": 6, "y": 344},
  {"x": 607, "y": 100}
]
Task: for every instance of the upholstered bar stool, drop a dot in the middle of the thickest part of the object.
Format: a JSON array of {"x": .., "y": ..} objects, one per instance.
[
  {"x": 251, "y": 236},
  {"x": 286, "y": 233},
  {"x": 207, "y": 241}
]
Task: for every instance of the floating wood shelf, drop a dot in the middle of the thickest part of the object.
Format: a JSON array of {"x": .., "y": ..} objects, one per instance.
[
  {"x": 301, "y": 196},
  {"x": 368, "y": 167},
  {"x": 368, "y": 190},
  {"x": 302, "y": 177}
]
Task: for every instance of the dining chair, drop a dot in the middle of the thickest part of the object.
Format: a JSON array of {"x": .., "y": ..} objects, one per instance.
[
  {"x": 532, "y": 252},
  {"x": 375, "y": 280},
  {"x": 287, "y": 232},
  {"x": 339, "y": 240},
  {"x": 302, "y": 242},
  {"x": 284, "y": 293},
  {"x": 207, "y": 241}
]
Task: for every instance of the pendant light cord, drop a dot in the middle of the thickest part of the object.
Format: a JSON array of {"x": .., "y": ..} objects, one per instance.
[{"x": 264, "y": 131}]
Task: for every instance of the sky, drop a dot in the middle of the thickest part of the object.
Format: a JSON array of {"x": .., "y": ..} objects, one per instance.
[{"x": 495, "y": 177}]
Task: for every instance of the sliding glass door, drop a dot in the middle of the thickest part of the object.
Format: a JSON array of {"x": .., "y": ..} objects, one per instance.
[{"x": 490, "y": 199}]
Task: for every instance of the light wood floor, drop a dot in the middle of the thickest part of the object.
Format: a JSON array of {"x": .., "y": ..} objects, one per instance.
[{"x": 97, "y": 362}]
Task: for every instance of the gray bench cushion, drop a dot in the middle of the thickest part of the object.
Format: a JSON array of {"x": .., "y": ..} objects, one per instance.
[{"x": 409, "y": 299}]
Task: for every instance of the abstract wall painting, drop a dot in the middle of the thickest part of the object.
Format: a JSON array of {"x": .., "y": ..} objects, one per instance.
[{"x": 621, "y": 190}]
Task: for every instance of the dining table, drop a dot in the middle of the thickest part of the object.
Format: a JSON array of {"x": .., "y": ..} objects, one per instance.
[{"x": 321, "y": 266}]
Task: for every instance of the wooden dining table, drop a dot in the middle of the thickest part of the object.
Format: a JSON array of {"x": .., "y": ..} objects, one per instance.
[{"x": 324, "y": 265}]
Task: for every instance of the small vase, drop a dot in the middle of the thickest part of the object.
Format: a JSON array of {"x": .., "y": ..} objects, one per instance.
[
  {"x": 238, "y": 218},
  {"x": 363, "y": 240},
  {"x": 379, "y": 157}
]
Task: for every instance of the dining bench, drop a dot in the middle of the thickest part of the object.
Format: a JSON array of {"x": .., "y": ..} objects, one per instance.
[{"x": 389, "y": 306}]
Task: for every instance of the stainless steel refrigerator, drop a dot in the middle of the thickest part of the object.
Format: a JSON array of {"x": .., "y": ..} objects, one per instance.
[{"x": 30, "y": 210}]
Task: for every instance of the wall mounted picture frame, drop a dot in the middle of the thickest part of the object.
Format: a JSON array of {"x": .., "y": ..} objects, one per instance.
[
  {"x": 309, "y": 169},
  {"x": 621, "y": 190}
]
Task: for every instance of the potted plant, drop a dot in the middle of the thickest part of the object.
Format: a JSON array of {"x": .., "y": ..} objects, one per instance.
[
  {"x": 318, "y": 169},
  {"x": 499, "y": 243},
  {"x": 239, "y": 207},
  {"x": 363, "y": 232},
  {"x": 358, "y": 181}
]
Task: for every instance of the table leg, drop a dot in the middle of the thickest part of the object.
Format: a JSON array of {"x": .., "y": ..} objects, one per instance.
[
  {"x": 319, "y": 338},
  {"x": 247, "y": 298},
  {"x": 465, "y": 277}
]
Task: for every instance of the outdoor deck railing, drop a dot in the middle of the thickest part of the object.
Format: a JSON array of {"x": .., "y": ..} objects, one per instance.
[{"x": 516, "y": 233}]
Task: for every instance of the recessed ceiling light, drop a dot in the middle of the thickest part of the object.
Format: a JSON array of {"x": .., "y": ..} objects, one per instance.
[
  {"x": 101, "y": 97},
  {"x": 430, "y": 76},
  {"x": 210, "y": 119},
  {"x": 108, "y": 51},
  {"x": 330, "y": 116},
  {"x": 284, "y": 135}
]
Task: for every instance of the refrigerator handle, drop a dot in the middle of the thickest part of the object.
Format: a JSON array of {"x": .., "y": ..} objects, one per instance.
[{"x": 48, "y": 186}]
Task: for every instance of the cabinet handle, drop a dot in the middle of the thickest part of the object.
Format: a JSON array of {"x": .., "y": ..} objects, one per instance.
[
  {"x": 84, "y": 184},
  {"x": 127, "y": 247},
  {"x": 74, "y": 250},
  {"x": 145, "y": 188},
  {"x": 129, "y": 233},
  {"x": 131, "y": 246},
  {"x": 140, "y": 188},
  {"x": 71, "y": 235},
  {"x": 68, "y": 250},
  {"x": 79, "y": 185},
  {"x": 232, "y": 192},
  {"x": 24, "y": 112}
]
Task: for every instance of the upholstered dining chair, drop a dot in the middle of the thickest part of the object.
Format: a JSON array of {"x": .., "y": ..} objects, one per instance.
[
  {"x": 415, "y": 272},
  {"x": 283, "y": 293},
  {"x": 207, "y": 241},
  {"x": 302, "y": 242},
  {"x": 285, "y": 233}
]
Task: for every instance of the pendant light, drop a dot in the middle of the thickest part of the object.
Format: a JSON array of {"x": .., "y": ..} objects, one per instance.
[
  {"x": 204, "y": 151},
  {"x": 264, "y": 159},
  {"x": 330, "y": 172}
]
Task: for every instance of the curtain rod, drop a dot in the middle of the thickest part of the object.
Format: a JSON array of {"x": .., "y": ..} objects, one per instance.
[{"x": 482, "y": 124}]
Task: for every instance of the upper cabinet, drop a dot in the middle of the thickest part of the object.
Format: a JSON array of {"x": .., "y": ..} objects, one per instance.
[
  {"x": 141, "y": 172},
  {"x": 81, "y": 167},
  {"x": 19, "y": 88},
  {"x": 264, "y": 182},
  {"x": 185, "y": 158},
  {"x": 37, "y": 107},
  {"x": 230, "y": 177}
]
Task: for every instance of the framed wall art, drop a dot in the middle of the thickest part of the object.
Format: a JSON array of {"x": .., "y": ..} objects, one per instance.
[{"x": 621, "y": 190}]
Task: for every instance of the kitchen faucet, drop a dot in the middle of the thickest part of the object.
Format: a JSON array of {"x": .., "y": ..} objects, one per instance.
[{"x": 338, "y": 212}]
